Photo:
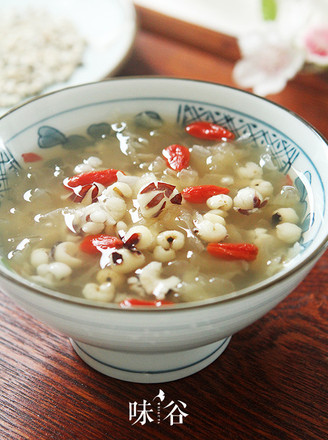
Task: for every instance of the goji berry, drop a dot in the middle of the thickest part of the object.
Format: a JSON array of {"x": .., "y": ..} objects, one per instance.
[
  {"x": 131, "y": 302},
  {"x": 233, "y": 251},
  {"x": 31, "y": 157},
  {"x": 199, "y": 194},
  {"x": 289, "y": 181},
  {"x": 177, "y": 156},
  {"x": 93, "y": 244},
  {"x": 105, "y": 177},
  {"x": 208, "y": 130}
]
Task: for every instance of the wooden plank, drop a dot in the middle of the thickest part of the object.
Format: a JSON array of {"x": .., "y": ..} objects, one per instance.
[{"x": 204, "y": 39}]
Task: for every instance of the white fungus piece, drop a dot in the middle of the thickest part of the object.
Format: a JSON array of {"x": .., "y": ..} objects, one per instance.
[
  {"x": 260, "y": 231},
  {"x": 158, "y": 165},
  {"x": 262, "y": 239},
  {"x": 227, "y": 180},
  {"x": 103, "y": 292},
  {"x": 135, "y": 286},
  {"x": 188, "y": 177},
  {"x": 66, "y": 252},
  {"x": 171, "y": 240},
  {"x": 250, "y": 171},
  {"x": 145, "y": 237},
  {"x": 247, "y": 199},
  {"x": 163, "y": 255},
  {"x": 283, "y": 215},
  {"x": 220, "y": 201},
  {"x": 199, "y": 152},
  {"x": 288, "y": 197},
  {"x": 82, "y": 168},
  {"x": 91, "y": 164},
  {"x": 94, "y": 162},
  {"x": 294, "y": 250},
  {"x": 288, "y": 232},
  {"x": 55, "y": 271},
  {"x": 72, "y": 237},
  {"x": 40, "y": 256},
  {"x": 266, "y": 162},
  {"x": 125, "y": 261},
  {"x": 264, "y": 187},
  {"x": 234, "y": 233},
  {"x": 210, "y": 232},
  {"x": 151, "y": 281},
  {"x": 273, "y": 266}
]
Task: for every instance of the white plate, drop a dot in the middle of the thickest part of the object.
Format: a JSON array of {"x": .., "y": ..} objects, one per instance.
[
  {"x": 233, "y": 17},
  {"x": 108, "y": 26}
]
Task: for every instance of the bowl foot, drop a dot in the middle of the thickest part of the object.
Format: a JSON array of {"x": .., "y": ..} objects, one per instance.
[{"x": 149, "y": 368}]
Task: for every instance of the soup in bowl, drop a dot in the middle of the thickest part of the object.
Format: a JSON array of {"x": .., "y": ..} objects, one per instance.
[{"x": 150, "y": 219}]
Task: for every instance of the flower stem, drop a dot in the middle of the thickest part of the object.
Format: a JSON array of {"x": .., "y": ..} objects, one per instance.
[{"x": 269, "y": 9}]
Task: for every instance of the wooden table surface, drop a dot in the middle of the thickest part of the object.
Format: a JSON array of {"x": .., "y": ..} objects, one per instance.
[{"x": 271, "y": 382}]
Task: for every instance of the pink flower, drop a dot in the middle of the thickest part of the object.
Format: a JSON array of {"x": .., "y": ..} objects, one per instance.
[
  {"x": 274, "y": 52},
  {"x": 316, "y": 45},
  {"x": 267, "y": 63}
]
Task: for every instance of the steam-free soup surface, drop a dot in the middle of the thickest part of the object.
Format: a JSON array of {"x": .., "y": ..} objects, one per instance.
[{"x": 174, "y": 217}]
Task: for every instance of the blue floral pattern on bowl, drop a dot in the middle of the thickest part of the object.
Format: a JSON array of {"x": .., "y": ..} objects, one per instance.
[
  {"x": 283, "y": 150},
  {"x": 8, "y": 164}
]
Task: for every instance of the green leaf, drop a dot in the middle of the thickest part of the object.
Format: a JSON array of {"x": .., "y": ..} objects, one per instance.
[{"x": 269, "y": 9}]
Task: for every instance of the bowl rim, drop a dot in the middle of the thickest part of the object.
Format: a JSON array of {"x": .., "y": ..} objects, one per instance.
[{"x": 211, "y": 302}]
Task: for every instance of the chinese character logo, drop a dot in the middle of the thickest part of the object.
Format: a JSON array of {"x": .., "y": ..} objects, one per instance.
[
  {"x": 156, "y": 411},
  {"x": 140, "y": 411}
]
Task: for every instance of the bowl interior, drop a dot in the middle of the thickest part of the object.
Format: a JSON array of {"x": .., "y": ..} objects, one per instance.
[{"x": 54, "y": 121}]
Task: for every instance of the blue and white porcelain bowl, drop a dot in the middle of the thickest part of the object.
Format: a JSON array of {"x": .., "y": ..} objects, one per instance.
[{"x": 160, "y": 345}]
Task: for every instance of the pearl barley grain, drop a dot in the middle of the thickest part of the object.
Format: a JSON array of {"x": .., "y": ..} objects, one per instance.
[
  {"x": 285, "y": 215},
  {"x": 288, "y": 232},
  {"x": 219, "y": 201},
  {"x": 36, "y": 51}
]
